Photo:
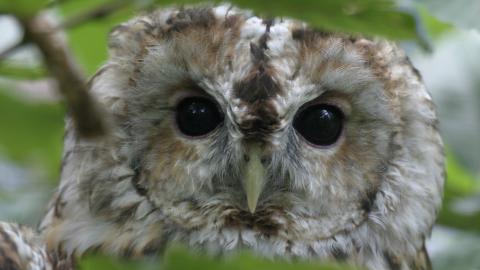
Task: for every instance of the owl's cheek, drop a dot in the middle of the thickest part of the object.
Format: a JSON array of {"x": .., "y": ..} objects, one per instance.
[
  {"x": 173, "y": 170},
  {"x": 346, "y": 176}
]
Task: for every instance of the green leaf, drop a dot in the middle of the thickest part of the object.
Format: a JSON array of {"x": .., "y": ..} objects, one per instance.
[
  {"x": 434, "y": 26},
  {"x": 450, "y": 218},
  {"x": 371, "y": 17},
  {"x": 462, "y": 14},
  {"x": 16, "y": 71},
  {"x": 23, "y": 8},
  {"x": 110, "y": 263},
  {"x": 179, "y": 258},
  {"x": 31, "y": 132},
  {"x": 459, "y": 184}
]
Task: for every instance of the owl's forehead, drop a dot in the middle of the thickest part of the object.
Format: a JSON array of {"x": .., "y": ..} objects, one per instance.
[{"x": 259, "y": 70}]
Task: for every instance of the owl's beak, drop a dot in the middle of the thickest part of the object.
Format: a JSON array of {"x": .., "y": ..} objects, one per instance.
[{"x": 254, "y": 177}]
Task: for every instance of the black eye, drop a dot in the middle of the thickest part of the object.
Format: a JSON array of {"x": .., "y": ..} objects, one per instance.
[
  {"x": 319, "y": 124},
  {"x": 197, "y": 116}
]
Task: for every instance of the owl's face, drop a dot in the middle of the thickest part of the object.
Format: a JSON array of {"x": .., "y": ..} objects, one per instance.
[{"x": 232, "y": 131}]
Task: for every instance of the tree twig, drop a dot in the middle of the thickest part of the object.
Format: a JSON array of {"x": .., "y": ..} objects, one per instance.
[
  {"x": 43, "y": 32},
  {"x": 97, "y": 13}
]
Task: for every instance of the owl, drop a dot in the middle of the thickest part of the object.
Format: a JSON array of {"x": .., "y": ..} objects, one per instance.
[{"x": 229, "y": 131}]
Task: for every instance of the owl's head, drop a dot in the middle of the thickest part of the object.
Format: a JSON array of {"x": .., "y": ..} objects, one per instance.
[{"x": 234, "y": 131}]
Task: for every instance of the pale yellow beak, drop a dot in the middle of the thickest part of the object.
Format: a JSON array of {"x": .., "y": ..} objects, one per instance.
[{"x": 254, "y": 177}]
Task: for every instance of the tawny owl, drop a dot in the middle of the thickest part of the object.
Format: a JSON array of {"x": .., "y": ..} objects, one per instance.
[{"x": 230, "y": 131}]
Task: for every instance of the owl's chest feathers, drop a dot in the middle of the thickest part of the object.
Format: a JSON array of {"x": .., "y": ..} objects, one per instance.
[{"x": 272, "y": 236}]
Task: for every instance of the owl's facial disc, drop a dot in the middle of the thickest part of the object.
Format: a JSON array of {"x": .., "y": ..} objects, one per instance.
[{"x": 231, "y": 131}]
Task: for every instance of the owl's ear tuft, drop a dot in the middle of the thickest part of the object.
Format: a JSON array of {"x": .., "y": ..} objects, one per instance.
[{"x": 130, "y": 39}]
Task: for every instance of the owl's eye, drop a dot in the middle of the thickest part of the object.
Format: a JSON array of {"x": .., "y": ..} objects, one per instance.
[
  {"x": 319, "y": 124},
  {"x": 197, "y": 116}
]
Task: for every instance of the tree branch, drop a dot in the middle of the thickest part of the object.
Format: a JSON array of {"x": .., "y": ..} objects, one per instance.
[
  {"x": 43, "y": 32},
  {"x": 97, "y": 13}
]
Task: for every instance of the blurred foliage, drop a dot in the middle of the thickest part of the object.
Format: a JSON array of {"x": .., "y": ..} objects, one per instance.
[
  {"x": 434, "y": 27},
  {"x": 22, "y": 8},
  {"x": 459, "y": 184},
  {"x": 461, "y": 13},
  {"x": 32, "y": 132},
  {"x": 371, "y": 17},
  {"x": 374, "y": 17},
  {"x": 178, "y": 258},
  {"x": 18, "y": 71}
]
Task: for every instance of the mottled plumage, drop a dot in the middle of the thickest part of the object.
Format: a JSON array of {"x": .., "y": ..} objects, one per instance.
[
  {"x": 370, "y": 198},
  {"x": 22, "y": 248}
]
